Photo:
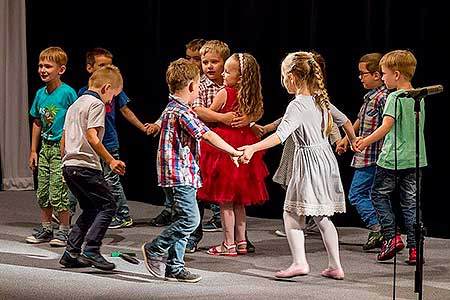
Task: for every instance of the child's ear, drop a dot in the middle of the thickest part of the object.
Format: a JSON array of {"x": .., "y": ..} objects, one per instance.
[
  {"x": 377, "y": 75},
  {"x": 89, "y": 68},
  {"x": 191, "y": 86},
  {"x": 105, "y": 88},
  {"x": 62, "y": 69}
]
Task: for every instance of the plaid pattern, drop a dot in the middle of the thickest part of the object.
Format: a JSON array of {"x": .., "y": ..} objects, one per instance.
[
  {"x": 207, "y": 91},
  {"x": 179, "y": 149},
  {"x": 370, "y": 117}
]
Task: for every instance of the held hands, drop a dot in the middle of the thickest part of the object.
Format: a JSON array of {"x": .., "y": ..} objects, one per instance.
[
  {"x": 258, "y": 130},
  {"x": 359, "y": 144},
  {"x": 117, "y": 166},
  {"x": 152, "y": 129},
  {"x": 235, "y": 157},
  {"x": 247, "y": 154},
  {"x": 341, "y": 146}
]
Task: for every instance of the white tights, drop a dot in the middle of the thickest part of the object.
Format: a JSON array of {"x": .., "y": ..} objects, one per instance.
[{"x": 294, "y": 226}]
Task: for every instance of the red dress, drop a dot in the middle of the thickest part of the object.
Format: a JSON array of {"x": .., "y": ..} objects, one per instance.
[{"x": 222, "y": 180}]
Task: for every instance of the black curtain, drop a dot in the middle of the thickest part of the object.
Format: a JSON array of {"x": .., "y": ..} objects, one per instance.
[{"x": 145, "y": 36}]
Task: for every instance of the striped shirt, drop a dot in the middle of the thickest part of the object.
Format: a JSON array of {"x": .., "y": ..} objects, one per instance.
[
  {"x": 370, "y": 117},
  {"x": 207, "y": 90},
  {"x": 179, "y": 149}
]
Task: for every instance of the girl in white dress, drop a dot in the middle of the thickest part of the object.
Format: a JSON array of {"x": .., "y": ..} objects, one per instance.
[{"x": 315, "y": 188}]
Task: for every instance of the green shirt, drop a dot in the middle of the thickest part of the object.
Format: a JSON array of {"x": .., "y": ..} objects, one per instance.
[
  {"x": 405, "y": 121},
  {"x": 51, "y": 109}
]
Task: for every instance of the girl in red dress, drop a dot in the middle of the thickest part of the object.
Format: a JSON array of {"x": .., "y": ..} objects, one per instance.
[{"x": 224, "y": 184}]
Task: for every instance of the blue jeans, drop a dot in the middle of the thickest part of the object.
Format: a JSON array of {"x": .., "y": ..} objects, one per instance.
[
  {"x": 113, "y": 179},
  {"x": 383, "y": 186},
  {"x": 174, "y": 238},
  {"x": 359, "y": 195},
  {"x": 97, "y": 205}
]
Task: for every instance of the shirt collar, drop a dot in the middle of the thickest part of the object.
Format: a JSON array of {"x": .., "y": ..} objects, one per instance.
[
  {"x": 373, "y": 93},
  {"x": 92, "y": 93}
]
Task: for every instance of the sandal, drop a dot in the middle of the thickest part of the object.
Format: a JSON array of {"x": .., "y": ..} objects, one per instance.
[
  {"x": 241, "y": 247},
  {"x": 223, "y": 250}
]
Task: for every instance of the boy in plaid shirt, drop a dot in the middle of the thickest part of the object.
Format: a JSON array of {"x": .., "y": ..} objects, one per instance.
[{"x": 179, "y": 173}]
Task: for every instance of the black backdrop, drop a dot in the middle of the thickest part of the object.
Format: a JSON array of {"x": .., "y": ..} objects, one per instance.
[{"x": 145, "y": 35}]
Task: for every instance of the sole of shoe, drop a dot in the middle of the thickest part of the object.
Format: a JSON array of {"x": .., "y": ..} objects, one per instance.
[
  {"x": 57, "y": 243},
  {"x": 195, "y": 280},
  {"x": 33, "y": 240},
  {"x": 280, "y": 233}
]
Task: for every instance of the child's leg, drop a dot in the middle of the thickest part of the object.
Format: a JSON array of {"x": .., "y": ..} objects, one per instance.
[
  {"x": 330, "y": 240},
  {"x": 228, "y": 222},
  {"x": 240, "y": 221},
  {"x": 408, "y": 193},
  {"x": 293, "y": 225}
]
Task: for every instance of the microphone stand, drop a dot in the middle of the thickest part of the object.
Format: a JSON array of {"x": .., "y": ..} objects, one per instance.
[{"x": 419, "y": 228}]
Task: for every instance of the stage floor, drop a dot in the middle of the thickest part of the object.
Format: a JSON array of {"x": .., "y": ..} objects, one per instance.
[{"x": 32, "y": 271}]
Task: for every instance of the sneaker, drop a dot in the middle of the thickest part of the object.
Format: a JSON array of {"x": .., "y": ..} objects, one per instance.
[
  {"x": 120, "y": 223},
  {"x": 71, "y": 260},
  {"x": 212, "y": 225},
  {"x": 412, "y": 256},
  {"x": 97, "y": 260},
  {"x": 390, "y": 248},
  {"x": 41, "y": 236},
  {"x": 154, "y": 264},
  {"x": 191, "y": 246},
  {"x": 163, "y": 219},
  {"x": 374, "y": 240},
  {"x": 184, "y": 276},
  {"x": 59, "y": 239}
]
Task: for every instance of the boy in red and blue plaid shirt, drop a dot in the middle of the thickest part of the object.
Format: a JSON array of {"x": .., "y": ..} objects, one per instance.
[{"x": 179, "y": 172}]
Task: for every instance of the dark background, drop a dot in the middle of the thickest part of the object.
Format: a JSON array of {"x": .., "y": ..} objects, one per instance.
[{"x": 145, "y": 36}]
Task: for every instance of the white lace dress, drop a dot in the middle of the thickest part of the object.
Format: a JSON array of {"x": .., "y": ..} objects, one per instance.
[{"x": 315, "y": 187}]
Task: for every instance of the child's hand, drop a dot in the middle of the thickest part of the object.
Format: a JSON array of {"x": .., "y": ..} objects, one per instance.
[
  {"x": 117, "y": 166},
  {"x": 33, "y": 161},
  {"x": 152, "y": 129},
  {"x": 241, "y": 121},
  {"x": 235, "y": 157},
  {"x": 341, "y": 146},
  {"x": 258, "y": 130},
  {"x": 359, "y": 144},
  {"x": 247, "y": 155},
  {"x": 228, "y": 117}
]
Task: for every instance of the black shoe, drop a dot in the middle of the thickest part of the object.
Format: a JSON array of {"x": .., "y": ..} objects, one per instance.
[
  {"x": 41, "y": 236},
  {"x": 250, "y": 247},
  {"x": 184, "y": 276},
  {"x": 71, "y": 260},
  {"x": 96, "y": 260},
  {"x": 212, "y": 225},
  {"x": 163, "y": 219}
]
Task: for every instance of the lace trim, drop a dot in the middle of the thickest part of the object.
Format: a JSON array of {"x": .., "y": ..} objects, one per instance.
[{"x": 314, "y": 210}]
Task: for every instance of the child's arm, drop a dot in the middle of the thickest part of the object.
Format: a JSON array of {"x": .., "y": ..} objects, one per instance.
[
  {"x": 377, "y": 135},
  {"x": 215, "y": 140},
  {"x": 36, "y": 132},
  {"x": 117, "y": 166},
  {"x": 269, "y": 142},
  {"x": 131, "y": 117},
  {"x": 260, "y": 130},
  {"x": 208, "y": 115},
  {"x": 350, "y": 133},
  {"x": 342, "y": 145}
]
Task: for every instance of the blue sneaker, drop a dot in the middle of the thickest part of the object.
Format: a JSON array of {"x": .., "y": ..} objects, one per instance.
[{"x": 41, "y": 236}]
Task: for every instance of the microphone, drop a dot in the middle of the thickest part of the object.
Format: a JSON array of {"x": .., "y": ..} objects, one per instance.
[{"x": 425, "y": 91}]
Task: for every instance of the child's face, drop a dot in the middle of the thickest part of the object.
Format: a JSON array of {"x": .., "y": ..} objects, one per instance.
[
  {"x": 231, "y": 73},
  {"x": 390, "y": 77},
  {"x": 212, "y": 65},
  {"x": 100, "y": 61},
  {"x": 50, "y": 71},
  {"x": 194, "y": 57},
  {"x": 369, "y": 80}
]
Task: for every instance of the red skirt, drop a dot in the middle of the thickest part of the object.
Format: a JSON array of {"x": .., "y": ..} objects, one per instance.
[{"x": 223, "y": 181}]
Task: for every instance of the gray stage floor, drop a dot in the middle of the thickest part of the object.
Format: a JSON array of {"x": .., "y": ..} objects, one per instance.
[{"x": 32, "y": 271}]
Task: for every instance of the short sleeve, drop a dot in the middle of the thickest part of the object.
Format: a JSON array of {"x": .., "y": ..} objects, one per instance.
[
  {"x": 96, "y": 116},
  {"x": 193, "y": 125},
  {"x": 290, "y": 121},
  {"x": 121, "y": 100},
  {"x": 338, "y": 117}
]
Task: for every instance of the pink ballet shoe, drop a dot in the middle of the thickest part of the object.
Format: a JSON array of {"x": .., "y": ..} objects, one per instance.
[
  {"x": 292, "y": 271},
  {"x": 337, "y": 274}
]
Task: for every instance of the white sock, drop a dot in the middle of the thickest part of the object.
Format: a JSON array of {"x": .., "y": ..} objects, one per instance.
[{"x": 330, "y": 240}]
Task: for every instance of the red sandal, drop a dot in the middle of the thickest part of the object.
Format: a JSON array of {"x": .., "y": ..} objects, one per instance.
[
  {"x": 223, "y": 250},
  {"x": 241, "y": 247}
]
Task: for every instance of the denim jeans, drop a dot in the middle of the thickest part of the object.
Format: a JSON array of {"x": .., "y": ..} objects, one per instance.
[
  {"x": 113, "y": 179},
  {"x": 359, "y": 195},
  {"x": 174, "y": 238},
  {"x": 383, "y": 186},
  {"x": 97, "y": 205}
]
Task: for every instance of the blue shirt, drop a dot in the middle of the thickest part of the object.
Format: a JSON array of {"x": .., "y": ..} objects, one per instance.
[
  {"x": 111, "y": 138},
  {"x": 51, "y": 109}
]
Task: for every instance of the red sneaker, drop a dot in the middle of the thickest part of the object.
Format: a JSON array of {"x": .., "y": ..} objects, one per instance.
[
  {"x": 390, "y": 247},
  {"x": 412, "y": 256}
]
